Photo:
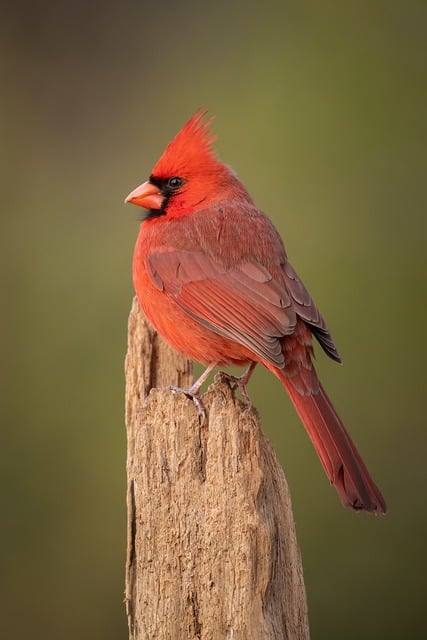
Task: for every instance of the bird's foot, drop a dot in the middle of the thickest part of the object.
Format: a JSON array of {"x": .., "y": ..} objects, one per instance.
[
  {"x": 235, "y": 382},
  {"x": 194, "y": 391},
  {"x": 240, "y": 382},
  {"x": 194, "y": 395}
]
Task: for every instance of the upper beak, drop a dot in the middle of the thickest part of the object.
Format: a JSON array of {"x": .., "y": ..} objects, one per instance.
[{"x": 147, "y": 195}]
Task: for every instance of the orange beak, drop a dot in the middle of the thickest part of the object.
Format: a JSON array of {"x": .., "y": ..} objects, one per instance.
[{"x": 147, "y": 195}]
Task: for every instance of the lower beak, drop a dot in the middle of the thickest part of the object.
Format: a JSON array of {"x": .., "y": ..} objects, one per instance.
[{"x": 147, "y": 195}]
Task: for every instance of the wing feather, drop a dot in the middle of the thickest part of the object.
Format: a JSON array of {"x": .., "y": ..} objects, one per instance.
[
  {"x": 244, "y": 303},
  {"x": 307, "y": 310}
]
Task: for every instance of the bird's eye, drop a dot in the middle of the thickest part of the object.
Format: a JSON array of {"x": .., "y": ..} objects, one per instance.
[{"x": 174, "y": 183}]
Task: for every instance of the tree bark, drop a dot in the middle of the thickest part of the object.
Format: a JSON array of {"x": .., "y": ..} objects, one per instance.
[{"x": 212, "y": 550}]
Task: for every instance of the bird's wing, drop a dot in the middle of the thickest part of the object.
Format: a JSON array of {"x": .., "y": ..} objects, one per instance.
[
  {"x": 244, "y": 303},
  {"x": 307, "y": 310}
]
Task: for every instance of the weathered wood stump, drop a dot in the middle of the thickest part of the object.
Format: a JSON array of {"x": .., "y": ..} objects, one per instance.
[{"x": 212, "y": 550}]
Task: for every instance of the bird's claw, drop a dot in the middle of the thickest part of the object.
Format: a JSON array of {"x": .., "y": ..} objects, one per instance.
[
  {"x": 194, "y": 396},
  {"x": 238, "y": 382}
]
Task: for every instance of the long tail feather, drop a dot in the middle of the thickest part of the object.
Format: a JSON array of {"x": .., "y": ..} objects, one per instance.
[{"x": 336, "y": 450}]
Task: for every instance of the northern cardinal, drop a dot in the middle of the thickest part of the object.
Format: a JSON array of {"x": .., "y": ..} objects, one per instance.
[{"x": 212, "y": 276}]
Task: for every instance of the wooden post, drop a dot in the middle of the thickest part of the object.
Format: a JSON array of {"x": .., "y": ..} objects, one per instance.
[{"x": 212, "y": 550}]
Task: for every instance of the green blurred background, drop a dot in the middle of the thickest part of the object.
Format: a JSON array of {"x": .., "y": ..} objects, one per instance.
[{"x": 321, "y": 108}]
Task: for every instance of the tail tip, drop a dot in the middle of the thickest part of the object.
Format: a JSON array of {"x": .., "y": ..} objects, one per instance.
[{"x": 371, "y": 504}]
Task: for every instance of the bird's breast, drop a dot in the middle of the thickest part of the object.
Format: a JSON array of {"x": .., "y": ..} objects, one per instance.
[{"x": 178, "y": 328}]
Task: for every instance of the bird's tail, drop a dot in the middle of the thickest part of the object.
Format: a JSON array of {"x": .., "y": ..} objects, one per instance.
[{"x": 336, "y": 450}]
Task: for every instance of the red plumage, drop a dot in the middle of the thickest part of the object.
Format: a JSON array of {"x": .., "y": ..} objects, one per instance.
[{"x": 212, "y": 276}]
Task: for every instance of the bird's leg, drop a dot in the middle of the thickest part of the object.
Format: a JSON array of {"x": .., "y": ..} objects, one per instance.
[
  {"x": 241, "y": 382},
  {"x": 193, "y": 391}
]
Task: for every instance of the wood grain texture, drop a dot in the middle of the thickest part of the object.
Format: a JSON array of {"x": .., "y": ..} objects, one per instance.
[{"x": 212, "y": 550}]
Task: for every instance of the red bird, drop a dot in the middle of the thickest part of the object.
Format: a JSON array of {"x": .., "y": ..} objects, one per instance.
[{"x": 212, "y": 276}]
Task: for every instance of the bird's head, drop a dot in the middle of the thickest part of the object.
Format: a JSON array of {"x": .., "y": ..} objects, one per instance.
[{"x": 188, "y": 176}]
